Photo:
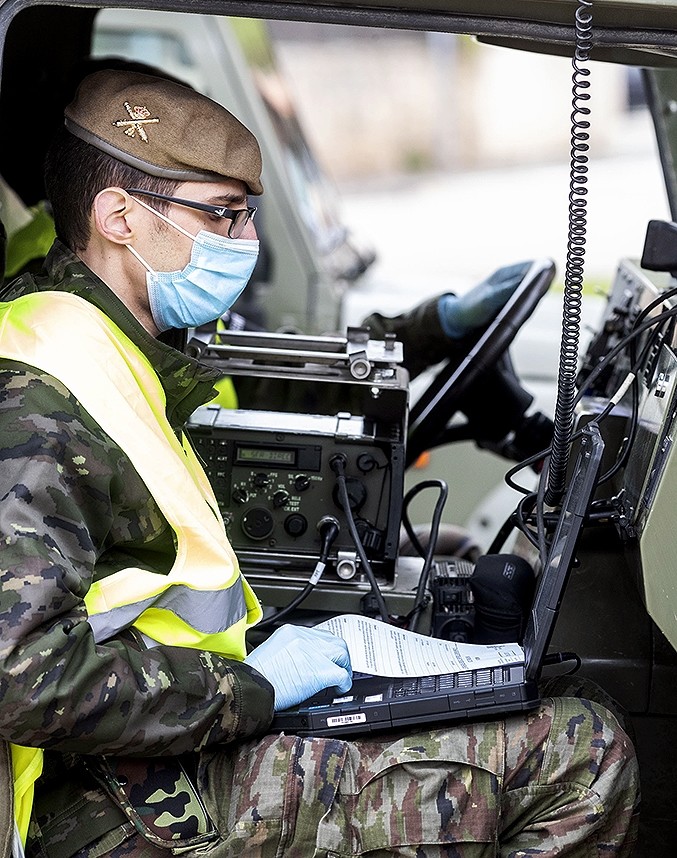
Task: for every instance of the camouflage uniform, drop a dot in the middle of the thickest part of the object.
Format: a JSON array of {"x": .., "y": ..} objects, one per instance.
[
  {"x": 73, "y": 509},
  {"x": 560, "y": 782}
]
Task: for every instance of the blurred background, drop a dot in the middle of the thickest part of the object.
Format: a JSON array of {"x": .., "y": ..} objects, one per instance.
[{"x": 481, "y": 135}]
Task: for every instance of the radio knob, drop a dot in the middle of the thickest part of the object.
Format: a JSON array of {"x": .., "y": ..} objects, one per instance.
[
  {"x": 296, "y": 524},
  {"x": 261, "y": 480},
  {"x": 280, "y": 498},
  {"x": 302, "y": 482},
  {"x": 240, "y": 496},
  {"x": 257, "y": 523}
]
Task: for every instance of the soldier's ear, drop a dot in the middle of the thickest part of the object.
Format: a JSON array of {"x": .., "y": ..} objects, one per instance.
[{"x": 112, "y": 213}]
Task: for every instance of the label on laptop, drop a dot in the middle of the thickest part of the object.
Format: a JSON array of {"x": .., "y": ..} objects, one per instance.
[
  {"x": 342, "y": 720},
  {"x": 383, "y": 650}
]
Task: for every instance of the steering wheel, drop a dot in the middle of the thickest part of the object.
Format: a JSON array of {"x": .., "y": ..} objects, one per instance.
[{"x": 433, "y": 410}]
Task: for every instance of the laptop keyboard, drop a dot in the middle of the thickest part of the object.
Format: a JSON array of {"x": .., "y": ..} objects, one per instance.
[{"x": 417, "y": 685}]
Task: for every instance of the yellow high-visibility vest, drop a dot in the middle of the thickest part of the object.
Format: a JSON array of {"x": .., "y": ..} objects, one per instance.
[
  {"x": 204, "y": 601},
  {"x": 227, "y": 395}
]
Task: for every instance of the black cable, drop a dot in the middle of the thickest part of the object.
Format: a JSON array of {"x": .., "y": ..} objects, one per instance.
[
  {"x": 573, "y": 275},
  {"x": 622, "y": 344},
  {"x": 337, "y": 463},
  {"x": 628, "y": 441},
  {"x": 540, "y": 510},
  {"x": 664, "y": 296},
  {"x": 521, "y": 518},
  {"x": 411, "y": 533},
  {"x": 406, "y": 522},
  {"x": 598, "y": 369},
  {"x": 503, "y": 532},
  {"x": 561, "y": 657},
  {"x": 419, "y": 598},
  {"x": 520, "y": 466},
  {"x": 329, "y": 530}
]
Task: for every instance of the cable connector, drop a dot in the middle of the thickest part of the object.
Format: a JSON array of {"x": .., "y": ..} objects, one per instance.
[
  {"x": 338, "y": 464},
  {"x": 329, "y": 529},
  {"x": 562, "y": 658}
]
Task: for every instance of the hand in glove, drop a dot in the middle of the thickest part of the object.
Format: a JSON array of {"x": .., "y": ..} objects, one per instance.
[
  {"x": 298, "y": 662},
  {"x": 434, "y": 330},
  {"x": 462, "y": 314}
]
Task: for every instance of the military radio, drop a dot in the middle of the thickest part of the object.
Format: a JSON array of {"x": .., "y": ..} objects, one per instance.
[{"x": 314, "y": 413}]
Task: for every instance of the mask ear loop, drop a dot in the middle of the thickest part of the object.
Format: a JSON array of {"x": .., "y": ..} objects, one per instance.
[
  {"x": 140, "y": 258},
  {"x": 166, "y": 220}
]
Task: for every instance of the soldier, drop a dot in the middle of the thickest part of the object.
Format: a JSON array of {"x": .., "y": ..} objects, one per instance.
[{"x": 136, "y": 718}]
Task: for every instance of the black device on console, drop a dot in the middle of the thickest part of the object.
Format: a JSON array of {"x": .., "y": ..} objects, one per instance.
[{"x": 271, "y": 470}]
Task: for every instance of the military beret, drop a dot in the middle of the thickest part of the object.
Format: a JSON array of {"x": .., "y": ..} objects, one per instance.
[{"x": 163, "y": 128}]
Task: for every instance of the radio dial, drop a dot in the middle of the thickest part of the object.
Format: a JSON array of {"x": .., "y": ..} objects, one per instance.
[
  {"x": 280, "y": 498},
  {"x": 302, "y": 482}
]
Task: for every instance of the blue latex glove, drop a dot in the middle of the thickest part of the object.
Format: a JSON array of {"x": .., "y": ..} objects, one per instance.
[
  {"x": 298, "y": 662},
  {"x": 462, "y": 314}
]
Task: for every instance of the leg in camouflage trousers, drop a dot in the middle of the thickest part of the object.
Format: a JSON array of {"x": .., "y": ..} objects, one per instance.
[{"x": 561, "y": 781}]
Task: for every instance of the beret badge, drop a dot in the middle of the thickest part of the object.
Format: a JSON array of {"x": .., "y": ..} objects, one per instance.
[{"x": 139, "y": 117}]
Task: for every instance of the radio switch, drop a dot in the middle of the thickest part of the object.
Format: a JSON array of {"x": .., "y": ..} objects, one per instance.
[
  {"x": 240, "y": 496},
  {"x": 280, "y": 498},
  {"x": 302, "y": 482}
]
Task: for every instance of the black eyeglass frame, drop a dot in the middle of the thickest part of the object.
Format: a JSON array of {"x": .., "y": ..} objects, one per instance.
[{"x": 237, "y": 217}]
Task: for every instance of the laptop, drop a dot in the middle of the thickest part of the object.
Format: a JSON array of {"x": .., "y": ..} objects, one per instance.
[{"x": 376, "y": 703}]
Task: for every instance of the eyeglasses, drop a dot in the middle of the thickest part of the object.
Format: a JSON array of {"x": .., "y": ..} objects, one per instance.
[{"x": 239, "y": 218}]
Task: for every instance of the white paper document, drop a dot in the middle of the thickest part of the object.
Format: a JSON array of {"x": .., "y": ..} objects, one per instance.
[{"x": 385, "y": 650}]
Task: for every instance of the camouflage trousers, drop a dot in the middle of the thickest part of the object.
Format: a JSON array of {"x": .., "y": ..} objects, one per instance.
[{"x": 562, "y": 781}]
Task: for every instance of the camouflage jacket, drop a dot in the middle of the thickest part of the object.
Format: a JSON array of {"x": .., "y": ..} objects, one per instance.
[{"x": 73, "y": 509}]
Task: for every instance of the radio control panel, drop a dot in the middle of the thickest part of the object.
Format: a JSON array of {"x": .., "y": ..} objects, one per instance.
[{"x": 272, "y": 476}]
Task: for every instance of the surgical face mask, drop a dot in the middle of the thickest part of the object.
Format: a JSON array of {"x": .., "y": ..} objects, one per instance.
[{"x": 218, "y": 270}]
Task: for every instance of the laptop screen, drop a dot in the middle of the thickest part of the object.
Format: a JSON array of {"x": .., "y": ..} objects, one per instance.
[{"x": 561, "y": 553}]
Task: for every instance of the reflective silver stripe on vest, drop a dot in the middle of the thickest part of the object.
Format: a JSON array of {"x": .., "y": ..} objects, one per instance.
[{"x": 208, "y": 611}]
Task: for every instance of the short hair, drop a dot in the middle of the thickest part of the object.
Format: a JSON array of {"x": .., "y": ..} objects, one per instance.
[{"x": 74, "y": 174}]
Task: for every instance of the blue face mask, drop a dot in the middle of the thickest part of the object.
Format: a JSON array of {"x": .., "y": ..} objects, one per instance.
[{"x": 213, "y": 280}]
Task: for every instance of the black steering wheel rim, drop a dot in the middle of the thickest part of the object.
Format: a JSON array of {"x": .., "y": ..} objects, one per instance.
[{"x": 439, "y": 402}]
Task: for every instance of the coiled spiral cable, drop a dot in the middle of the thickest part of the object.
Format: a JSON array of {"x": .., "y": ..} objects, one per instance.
[{"x": 573, "y": 276}]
